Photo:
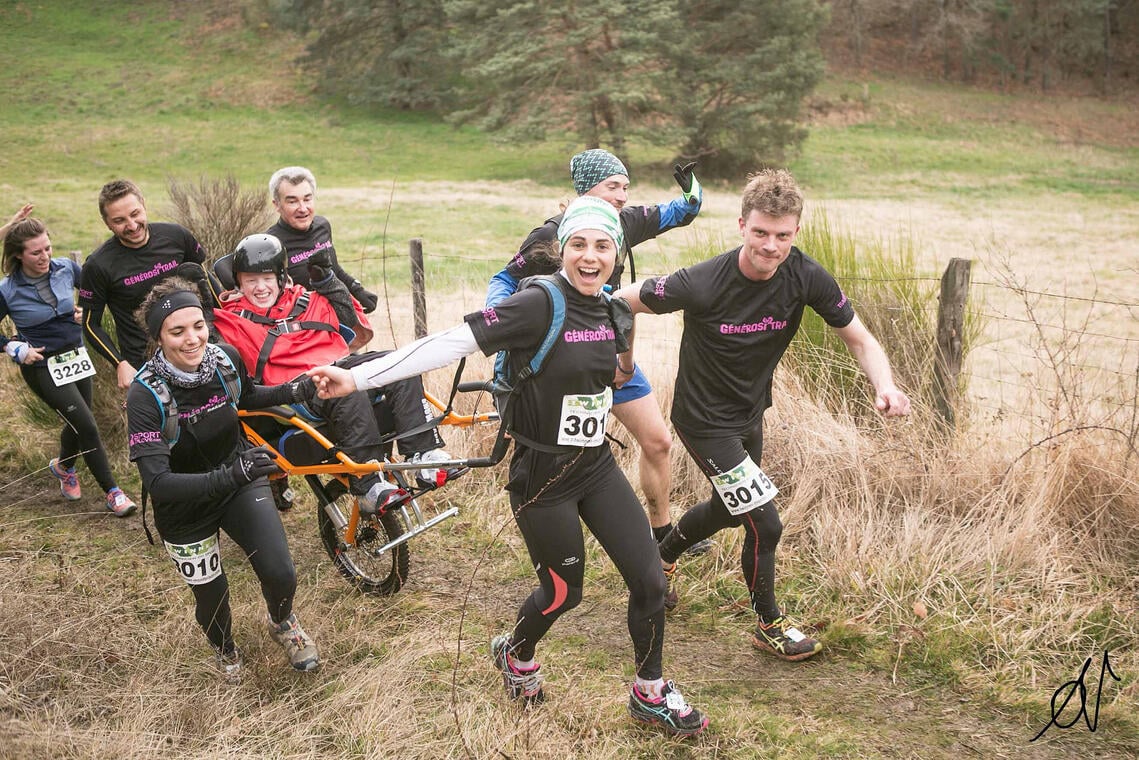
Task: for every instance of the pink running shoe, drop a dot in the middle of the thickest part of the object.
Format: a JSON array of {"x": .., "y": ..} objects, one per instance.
[
  {"x": 119, "y": 503},
  {"x": 68, "y": 480}
]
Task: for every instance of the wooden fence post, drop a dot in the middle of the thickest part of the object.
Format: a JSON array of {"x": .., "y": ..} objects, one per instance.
[
  {"x": 418, "y": 289},
  {"x": 950, "y": 331}
]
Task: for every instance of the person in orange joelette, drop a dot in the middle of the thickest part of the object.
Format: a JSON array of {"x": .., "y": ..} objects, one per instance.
[{"x": 281, "y": 330}]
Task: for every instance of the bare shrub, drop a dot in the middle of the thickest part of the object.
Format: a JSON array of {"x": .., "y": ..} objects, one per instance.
[
  {"x": 219, "y": 212},
  {"x": 897, "y": 306}
]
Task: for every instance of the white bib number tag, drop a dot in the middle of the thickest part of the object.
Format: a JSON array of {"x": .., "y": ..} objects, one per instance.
[
  {"x": 71, "y": 366},
  {"x": 197, "y": 563},
  {"x": 583, "y": 419},
  {"x": 744, "y": 487}
]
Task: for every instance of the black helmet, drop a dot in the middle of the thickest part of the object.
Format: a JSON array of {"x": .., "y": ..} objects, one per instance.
[{"x": 260, "y": 253}]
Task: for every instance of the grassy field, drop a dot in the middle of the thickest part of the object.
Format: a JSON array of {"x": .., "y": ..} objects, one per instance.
[{"x": 957, "y": 584}]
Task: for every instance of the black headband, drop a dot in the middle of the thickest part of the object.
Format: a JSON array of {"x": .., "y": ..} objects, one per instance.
[{"x": 164, "y": 307}]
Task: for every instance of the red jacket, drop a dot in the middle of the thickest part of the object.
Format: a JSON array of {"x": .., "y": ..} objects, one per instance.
[{"x": 293, "y": 352}]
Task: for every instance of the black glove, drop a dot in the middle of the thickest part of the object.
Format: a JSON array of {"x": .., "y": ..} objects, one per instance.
[
  {"x": 319, "y": 267},
  {"x": 303, "y": 390},
  {"x": 689, "y": 185},
  {"x": 621, "y": 315},
  {"x": 367, "y": 300},
  {"x": 252, "y": 464}
]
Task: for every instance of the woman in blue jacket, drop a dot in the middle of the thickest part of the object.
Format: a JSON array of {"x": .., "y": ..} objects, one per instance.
[{"x": 37, "y": 294}]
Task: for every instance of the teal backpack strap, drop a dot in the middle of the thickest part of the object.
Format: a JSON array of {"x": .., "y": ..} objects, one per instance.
[
  {"x": 168, "y": 407},
  {"x": 506, "y": 385},
  {"x": 558, "y": 318},
  {"x": 230, "y": 379},
  {"x": 165, "y": 400},
  {"x": 502, "y": 378}
]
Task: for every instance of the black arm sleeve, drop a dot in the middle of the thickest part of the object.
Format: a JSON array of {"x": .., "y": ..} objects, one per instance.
[
  {"x": 336, "y": 291},
  {"x": 96, "y": 337},
  {"x": 183, "y": 487},
  {"x": 345, "y": 279},
  {"x": 255, "y": 396}
]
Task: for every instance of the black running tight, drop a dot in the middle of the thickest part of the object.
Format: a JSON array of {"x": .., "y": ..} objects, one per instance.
[
  {"x": 80, "y": 433},
  {"x": 252, "y": 521},
  {"x": 554, "y": 537}
]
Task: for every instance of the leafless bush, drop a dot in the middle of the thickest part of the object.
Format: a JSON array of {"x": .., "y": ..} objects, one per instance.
[{"x": 219, "y": 212}]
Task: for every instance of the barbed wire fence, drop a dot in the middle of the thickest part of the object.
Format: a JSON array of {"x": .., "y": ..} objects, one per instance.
[{"x": 1030, "y": 353}]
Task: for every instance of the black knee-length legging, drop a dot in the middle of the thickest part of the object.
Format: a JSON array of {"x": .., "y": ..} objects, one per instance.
[{"x": 762, "y": 526}]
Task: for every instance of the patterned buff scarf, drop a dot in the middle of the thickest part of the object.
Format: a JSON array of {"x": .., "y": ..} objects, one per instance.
[
  {"x": 591, "y": 166},
  {"x": 195, "y": 379}
]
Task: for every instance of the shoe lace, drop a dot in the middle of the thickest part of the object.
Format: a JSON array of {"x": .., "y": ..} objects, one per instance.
[
  {"x": 780, "y": 629},
  {"x": 674, "y": 700},
  {"x": 527, "y": 681},
  {"x": 293, "y": 634}
]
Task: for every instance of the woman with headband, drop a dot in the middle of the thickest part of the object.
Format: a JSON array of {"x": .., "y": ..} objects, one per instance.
[
  {"x": 185, "y": 438},
  {"x": 562, "y": 472}
]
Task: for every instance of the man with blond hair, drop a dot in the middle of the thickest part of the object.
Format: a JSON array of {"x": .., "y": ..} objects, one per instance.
[{"x": 741, "y": 310}]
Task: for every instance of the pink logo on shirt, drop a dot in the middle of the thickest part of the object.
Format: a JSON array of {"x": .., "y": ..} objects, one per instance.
[
  {"x": 489, "y": 316},
  {"x": 215, "y": 402},
  {"x": 767, "y": 323},
  {"x": 304, "y": 255},
  {"x": 158, "y": 269},
  {"x": 149, "y": 436},
  {"x": 603, "y": 332}
]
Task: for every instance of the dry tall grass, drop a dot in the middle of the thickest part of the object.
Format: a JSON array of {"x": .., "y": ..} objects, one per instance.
[{"x": 990, "y": 564}]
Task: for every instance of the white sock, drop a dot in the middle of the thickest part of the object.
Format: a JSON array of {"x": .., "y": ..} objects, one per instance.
[{"x": 651, "y": 689}]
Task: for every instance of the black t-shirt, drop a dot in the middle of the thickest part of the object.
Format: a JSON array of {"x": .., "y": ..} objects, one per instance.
[
  {"x": 736, "y": 331},
  {"x": 118, "y": 278},
  {"x": 639, "y": 223},
  {"x": 581, "y": 363},
  {"x": 301, "y": 245},
  {"x": 209, "y": 438}
]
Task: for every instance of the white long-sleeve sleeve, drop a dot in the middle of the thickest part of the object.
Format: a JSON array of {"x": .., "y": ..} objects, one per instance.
[{"x": 428, "y": 353}]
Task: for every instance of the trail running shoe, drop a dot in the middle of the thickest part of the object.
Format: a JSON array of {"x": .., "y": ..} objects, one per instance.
[
  {"x": 381, "y": 497},
  {"x": 670, "y": 711},
  {"x": 784, "y": 641},
  {"x": 68, "y": 480},
  {"x": 671, "y": 597},
  {"x": 700, "y": 547},
  {"x": 520, "y": 684},
  {"x": 119, "y": 503},
  {"x": 297, "y": 644},
  {"x": 230, "y": 664},
  {"x": 433, "y": 477}
]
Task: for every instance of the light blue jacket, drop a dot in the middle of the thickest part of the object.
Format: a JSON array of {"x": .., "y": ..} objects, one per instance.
[{"x": 38, "y": 323}]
